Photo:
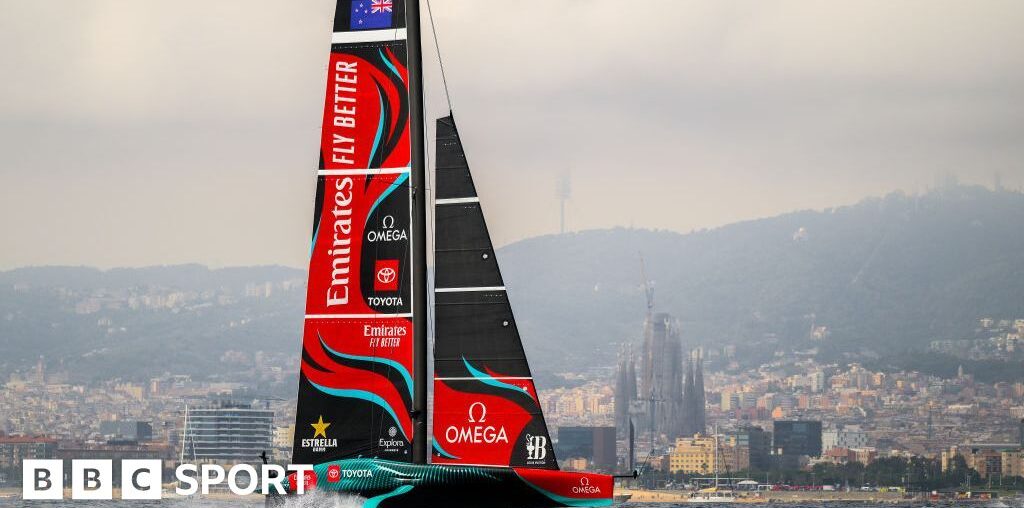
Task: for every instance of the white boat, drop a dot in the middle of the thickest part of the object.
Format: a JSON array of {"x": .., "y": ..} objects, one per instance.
[{"x": 712, "y": 495}]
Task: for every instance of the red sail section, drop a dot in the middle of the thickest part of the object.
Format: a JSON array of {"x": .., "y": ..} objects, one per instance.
[
  {"x": 356, "y": 380},
  {"x": 478, "y": 428},
  {"x": 366, "y": 116}
]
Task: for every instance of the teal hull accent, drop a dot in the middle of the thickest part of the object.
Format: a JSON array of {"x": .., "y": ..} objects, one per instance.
[{"x": 390, "y": 484}]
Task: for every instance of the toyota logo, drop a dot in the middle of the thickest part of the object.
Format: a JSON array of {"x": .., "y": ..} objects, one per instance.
[{"x": 386, "y": 275}]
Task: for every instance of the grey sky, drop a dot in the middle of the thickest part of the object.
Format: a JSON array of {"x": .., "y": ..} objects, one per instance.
[{"x": 144, "y": 132}]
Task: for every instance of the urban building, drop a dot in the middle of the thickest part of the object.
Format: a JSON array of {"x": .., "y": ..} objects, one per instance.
[
  {"x": 796, "y": 438},
  {"x": 116, "y": 451},
  {"x": 758, "y": 446},
  {"x": 625, "y": 390},
  {"x": 14, "y": 450},
  {"x": 126, "y": 430},
  {"x": 693, "y": 455},
  {"x": 671, "y": 399},
  {"x": 226, "y": 432},
  {"x": 661, "y": 386},
  {"x": 692, "y": 412},
  {"x": 1013, "y": 462},
  {"x": 849, "y": 436},
  {"x": 594, "y": 444},
  {"x": 988, "y": 459}
]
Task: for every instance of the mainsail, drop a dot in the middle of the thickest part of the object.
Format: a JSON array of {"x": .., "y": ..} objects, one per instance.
[
  {"x": 356, "y": 385},
  {"x": 486, "y": 409}
]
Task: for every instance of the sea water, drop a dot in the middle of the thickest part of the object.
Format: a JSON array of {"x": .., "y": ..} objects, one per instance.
[
  {"x": 311, "y": 500},
  {"x": 334, "y": 501}
]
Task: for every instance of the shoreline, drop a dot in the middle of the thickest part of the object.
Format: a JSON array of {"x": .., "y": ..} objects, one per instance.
[{"x": 680, "y": 496}]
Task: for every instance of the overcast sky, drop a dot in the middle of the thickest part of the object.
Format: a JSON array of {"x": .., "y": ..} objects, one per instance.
[{"x": 149, "y": 132}]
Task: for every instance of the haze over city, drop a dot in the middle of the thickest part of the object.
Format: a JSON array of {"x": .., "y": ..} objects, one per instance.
[{"x": 151, "y": 133}]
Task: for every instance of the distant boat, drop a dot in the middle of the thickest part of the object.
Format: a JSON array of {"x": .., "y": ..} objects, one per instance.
[{"x": 712, "y": 495}]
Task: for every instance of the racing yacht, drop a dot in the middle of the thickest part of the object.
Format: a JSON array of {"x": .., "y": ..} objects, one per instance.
[{"x": 362, "y": 410}]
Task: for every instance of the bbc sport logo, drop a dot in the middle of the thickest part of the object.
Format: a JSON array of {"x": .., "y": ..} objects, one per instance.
[{"x": 140, "y": 479}]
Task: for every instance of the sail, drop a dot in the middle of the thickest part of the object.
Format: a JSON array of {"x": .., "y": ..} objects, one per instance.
[
  {"x": 486, "y": 409},
  {"x": 356, "y": 385}
]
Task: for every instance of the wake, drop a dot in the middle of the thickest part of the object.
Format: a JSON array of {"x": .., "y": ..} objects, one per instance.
[
  {"x": 318, "y": 499},
  {"x": 314, "y": 499}
]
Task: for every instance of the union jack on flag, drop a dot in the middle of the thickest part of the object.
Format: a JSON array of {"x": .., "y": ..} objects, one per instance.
[{"x": 372, "y": 14}]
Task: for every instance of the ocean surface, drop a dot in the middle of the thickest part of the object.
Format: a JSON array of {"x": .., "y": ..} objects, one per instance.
[{"x": 354, "y": 502}]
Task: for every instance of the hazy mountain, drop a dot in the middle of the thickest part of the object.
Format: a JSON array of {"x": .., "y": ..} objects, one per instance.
[
  {"x": 141, "y": 322},
  {"x": 883, "y": 275},
  {"x": 887, "y": 273}
]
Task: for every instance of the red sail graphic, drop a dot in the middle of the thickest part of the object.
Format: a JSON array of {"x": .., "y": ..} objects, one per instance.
[
  {"x": 366, "y": 115},
  {"x": 356, "y": 380}
]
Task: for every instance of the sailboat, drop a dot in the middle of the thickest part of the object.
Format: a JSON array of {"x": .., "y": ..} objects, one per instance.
[
  {"x": 714, "y": 494},
  {"x": 362, "y": 413}
]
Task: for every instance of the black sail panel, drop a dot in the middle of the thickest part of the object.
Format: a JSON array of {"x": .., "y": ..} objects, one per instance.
[{"x": 486, "y": 408}]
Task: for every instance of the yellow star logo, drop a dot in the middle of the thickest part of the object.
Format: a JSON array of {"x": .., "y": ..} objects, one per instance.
[{"x": 320, "y": 428}]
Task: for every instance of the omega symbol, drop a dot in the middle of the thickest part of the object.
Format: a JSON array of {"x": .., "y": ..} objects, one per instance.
[{"x": 483, "y": 412}]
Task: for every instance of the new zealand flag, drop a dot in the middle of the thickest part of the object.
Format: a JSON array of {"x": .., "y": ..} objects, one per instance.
[{"x": 370, "y": 14}]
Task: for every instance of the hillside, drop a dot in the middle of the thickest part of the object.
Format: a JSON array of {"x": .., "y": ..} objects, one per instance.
[
  {"x": 143, "y": 322},
  {"x": 884, "y": 275}
]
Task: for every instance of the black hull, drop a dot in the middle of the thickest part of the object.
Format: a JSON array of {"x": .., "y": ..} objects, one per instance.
[{"x": 387, "y": 484}]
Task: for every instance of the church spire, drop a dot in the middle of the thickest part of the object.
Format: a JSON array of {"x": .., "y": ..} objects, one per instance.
[{"x": 699, "y": 417}]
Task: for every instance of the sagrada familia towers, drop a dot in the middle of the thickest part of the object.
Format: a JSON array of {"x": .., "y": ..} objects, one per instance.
[{"x": 669, "y": 399}]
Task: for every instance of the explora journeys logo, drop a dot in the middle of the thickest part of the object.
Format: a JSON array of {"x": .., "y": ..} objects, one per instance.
[
  {"x": 391, "y": 443},
  {"x": 477, "y": 431}
]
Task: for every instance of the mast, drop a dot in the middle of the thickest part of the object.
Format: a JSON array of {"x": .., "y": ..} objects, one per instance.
[
  {"x": 419, "y": 231},
  {"x": 716, "y": 457}
]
